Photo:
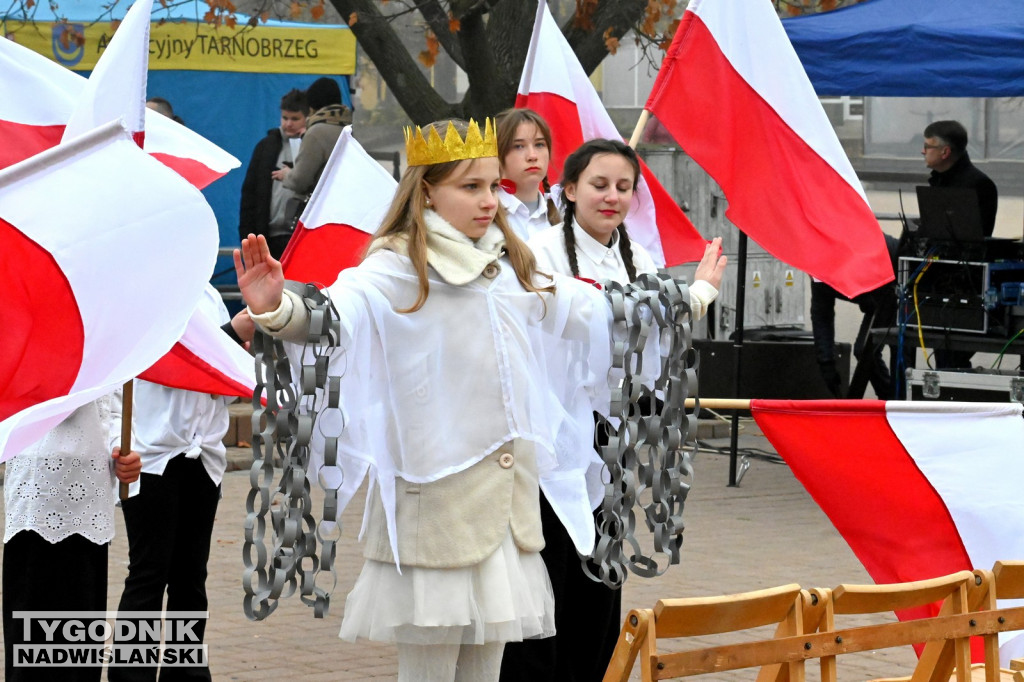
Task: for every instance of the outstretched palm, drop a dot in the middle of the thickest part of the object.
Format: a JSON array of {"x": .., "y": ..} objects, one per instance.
[{"x": 260, "y": 277}]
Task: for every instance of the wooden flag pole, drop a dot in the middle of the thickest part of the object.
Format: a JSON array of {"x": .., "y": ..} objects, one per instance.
[
  {"x": 721, "y": 403},
  {"x": 126, "y": 429},
  {"x": 634, "y": 139}
]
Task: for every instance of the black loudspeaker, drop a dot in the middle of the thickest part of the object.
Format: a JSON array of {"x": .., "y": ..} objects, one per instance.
[{"x": 770, "y": 369}]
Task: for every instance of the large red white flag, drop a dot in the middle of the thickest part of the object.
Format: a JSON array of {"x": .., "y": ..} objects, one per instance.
[
  {"x": 205, "y": 359},
  {"x": 555, "y": 85},
  {"x": 105, "y": 253},
  {"x": 917, "y": 489},
  {"x": 734, "y": 95},
  {"x": 41, "y": 95},
  {"x": 345, "y": 209}
]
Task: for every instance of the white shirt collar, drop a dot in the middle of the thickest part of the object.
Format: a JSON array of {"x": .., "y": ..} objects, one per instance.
[
  {"x": 513, "y": 205},
  {"x": 593, "y": 249}
]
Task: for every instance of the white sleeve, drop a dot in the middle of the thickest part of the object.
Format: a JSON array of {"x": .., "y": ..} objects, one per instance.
[
  {"x": 288, "y": 321},
  {"x": 702, "y": 295}
]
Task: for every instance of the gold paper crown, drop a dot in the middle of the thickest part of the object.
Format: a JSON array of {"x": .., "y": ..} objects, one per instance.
[{"x": 423, "y": 152}]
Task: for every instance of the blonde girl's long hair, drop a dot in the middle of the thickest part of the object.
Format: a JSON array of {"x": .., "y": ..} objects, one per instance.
[
  {"x": 405, "y": 217},
  {"x": 508, "y": 121}
]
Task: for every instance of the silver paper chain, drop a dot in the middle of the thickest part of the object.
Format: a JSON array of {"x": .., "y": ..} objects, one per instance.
[
  {"x": 282, "y": 430},
  {"x": 648, "y": 467}
]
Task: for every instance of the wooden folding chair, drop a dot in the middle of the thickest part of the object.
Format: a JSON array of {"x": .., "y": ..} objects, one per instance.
[
  {"x": 692, "y": 617},
  {"x": 951, "y": 591},
  {"x": 1005, "y": 581}
]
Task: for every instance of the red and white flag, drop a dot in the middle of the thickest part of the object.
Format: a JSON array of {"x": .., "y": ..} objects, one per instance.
[
  {"x": 346, "y": 207},
  {"x": 205, "y": 359},
  {"x": 917, "y": 489},
  {"x": 105, "y": 253},
  {"x": 555, "y": 85},
  {"x": 734, "y": 95},
  {"x": 40, "y": 96}
]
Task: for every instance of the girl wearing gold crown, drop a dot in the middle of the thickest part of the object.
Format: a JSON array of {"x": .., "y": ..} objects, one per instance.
[
  {"x": 469, "y": 380},
  {"x": 524, "y": 147}
]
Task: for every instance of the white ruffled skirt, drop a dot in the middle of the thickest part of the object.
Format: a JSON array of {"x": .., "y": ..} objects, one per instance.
[{"x": 505, "y": 598}]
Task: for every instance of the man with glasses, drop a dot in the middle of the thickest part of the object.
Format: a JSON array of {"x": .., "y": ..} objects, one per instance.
[{"x": 945, "y": 152}]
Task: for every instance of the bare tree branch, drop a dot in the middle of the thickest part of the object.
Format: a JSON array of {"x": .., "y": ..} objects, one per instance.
[
  {"x": 589, "y": 45},
  {"x": 398, "y": 69}
]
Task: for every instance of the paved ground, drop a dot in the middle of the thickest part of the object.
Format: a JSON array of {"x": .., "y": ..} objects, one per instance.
[{"x": 766, "y": 532}]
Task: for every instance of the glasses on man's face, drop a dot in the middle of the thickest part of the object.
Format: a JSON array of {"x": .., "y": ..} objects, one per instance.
[{"x": 934, "y": 146}]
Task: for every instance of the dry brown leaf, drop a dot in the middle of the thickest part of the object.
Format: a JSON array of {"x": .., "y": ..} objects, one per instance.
[
  {"x": 453, "y": 24},
  {"x": 610, "y": 41},
  {"x": 426, "y": 58},
  {"x": 353, "y": 18},
  {"x": 295, "y": 10},
  {"x": 317, "y": 12}
]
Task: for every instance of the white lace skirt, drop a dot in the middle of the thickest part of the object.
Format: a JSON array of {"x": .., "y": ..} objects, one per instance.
[{"x": 505, "y": 598}]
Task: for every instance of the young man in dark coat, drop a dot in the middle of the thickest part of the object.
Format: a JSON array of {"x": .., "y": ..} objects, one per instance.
[{"x": 264, "y": 208}]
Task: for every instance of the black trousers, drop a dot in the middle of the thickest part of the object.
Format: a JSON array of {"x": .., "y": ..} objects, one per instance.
[
  {"x": 70, "y": 575},
  {"x": 169, "y": 524},
  {"x": 587, "y": 618}
]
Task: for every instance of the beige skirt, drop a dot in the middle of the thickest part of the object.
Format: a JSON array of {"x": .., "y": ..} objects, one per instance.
[{"x": 505, "y": 598}]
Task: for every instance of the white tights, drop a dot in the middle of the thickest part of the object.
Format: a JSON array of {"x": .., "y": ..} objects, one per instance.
[{"x": 449, "y": 662}]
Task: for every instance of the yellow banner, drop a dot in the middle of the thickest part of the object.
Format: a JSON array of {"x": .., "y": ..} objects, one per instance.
[{"x": 192, "y": 46}]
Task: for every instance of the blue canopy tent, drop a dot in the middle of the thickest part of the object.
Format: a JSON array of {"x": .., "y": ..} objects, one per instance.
[
  {"x": 225, "y": 83},
  {"x": 914, "y": 48}
]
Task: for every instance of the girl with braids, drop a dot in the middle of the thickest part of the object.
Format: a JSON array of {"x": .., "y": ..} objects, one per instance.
[
  {"x": 457, "y": 403},
  {"x": 598, "y": 183},
  {"x": 524, "y": 148}
]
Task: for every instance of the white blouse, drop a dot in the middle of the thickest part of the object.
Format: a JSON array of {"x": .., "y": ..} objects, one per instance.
[
  {"x": 600, "y": 262},
  {"x": 64, "y": 484},
  {"x": 524, "y": 221},
  {"x": 431, "y": 393},
  {"x": 167, "y": 422}
]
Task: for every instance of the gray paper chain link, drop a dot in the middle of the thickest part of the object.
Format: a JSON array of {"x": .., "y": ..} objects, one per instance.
[
  {"x": 282, "y": 430},
  {"x": 645, "y": 457}
]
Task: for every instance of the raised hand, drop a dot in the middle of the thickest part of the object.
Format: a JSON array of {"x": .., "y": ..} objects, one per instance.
[
  {"x": 260, "y": 277},
  {"x": 712, "y": 265}
]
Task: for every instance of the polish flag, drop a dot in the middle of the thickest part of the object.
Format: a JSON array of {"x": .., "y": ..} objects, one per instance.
[
  {"x": 40, "y": 97},
  {"x": 106, "y": 253},
  {"x": 555, "y": 85},
  {"x": 734, "y": 95},
  {"x": 345, "y": 209},
  {"x": 917, "y": 489},
  {"x": 206, "y": 359}
]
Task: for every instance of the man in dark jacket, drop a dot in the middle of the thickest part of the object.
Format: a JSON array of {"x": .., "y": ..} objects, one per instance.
[
  {"x": 945, "y": 152},
  {"x": 264, "y": 208}
]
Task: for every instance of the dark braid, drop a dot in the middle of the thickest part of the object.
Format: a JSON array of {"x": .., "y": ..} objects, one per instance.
[
  {"x": 553, "y": 217},
  {"x": 626, "y": 249},
  {"x": 570, "y": 237}
]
